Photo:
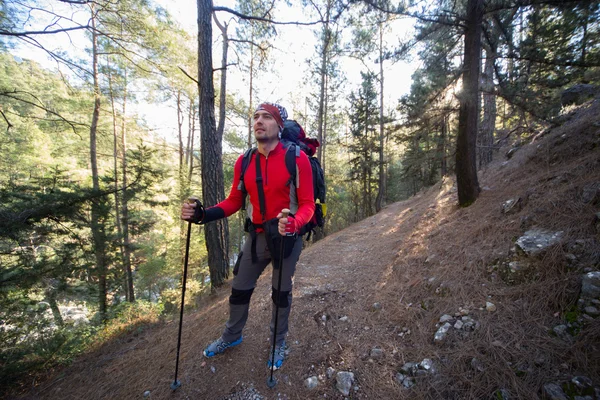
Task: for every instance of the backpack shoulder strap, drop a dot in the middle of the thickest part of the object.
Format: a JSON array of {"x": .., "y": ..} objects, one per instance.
[
  {"x": 245, "y": 161},
  {"x": 293, "y": 151}
]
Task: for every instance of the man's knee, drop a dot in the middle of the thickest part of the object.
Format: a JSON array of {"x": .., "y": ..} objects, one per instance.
[
  {"x": 281, "y": 296},
  {"x": 240, "y": 296}
]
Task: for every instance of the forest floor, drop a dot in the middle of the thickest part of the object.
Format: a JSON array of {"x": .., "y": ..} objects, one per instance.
[{"x": 418, "y": 260}]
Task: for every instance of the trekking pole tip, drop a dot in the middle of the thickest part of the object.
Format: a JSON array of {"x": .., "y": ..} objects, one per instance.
[
  {"x": 271, "y": 382},
  {"x": 175, "y": 385}
]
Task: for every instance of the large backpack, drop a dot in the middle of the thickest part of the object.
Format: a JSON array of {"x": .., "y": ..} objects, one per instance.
[{"x": 294, "y": 140}]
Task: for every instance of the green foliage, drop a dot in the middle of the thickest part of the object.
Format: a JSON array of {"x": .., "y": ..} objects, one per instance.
[
  {"x": 171, "y": 298},
  {"x": 364, "y": 120}
]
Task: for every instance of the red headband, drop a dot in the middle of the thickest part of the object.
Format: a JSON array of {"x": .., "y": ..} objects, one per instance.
[{"x": 274, "y": 111}]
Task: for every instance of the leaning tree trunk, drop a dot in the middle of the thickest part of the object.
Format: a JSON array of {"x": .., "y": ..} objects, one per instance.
[
  {"x": 216, "y": 234},
  {"x": 97, "y": 226},
  {"x": 468, "y": 118}
]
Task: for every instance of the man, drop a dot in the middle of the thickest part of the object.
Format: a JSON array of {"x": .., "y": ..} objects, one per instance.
[{"x": 271, "y": 182}]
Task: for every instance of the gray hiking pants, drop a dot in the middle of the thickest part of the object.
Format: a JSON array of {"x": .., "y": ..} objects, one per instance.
[{"x": 244, "y": 282}]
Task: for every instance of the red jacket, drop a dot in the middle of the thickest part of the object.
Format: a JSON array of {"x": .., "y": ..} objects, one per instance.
[{"x": 278, "y": 193}]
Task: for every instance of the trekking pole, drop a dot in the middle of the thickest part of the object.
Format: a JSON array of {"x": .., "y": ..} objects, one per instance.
[
  {"x": 271, "y": 382},
  {"x": 176, "y": 383}
]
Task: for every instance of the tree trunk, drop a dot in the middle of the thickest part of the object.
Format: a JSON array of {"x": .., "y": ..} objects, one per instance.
[
  {"x": 466, "y": 163},
  {"x": 441, "y": 146},
  {"x": 380, "y": 200},
  {"x": 116, "y": 176},
  {"x": 223, "y": 89},
  {"x": 251, "y": 94},
  {"x": 192, "y": 132},
  {"x": 488, "y": 124},
  {"x": 322, "y": 92},
  {"x": 125, "y": 201},
  {"x": 216, "y": 234},
  {"x": 98, "y": 234}
]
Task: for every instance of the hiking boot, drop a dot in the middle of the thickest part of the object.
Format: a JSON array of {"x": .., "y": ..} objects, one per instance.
[
  {"x": 280, "y": 353},
  {"x": 219, "y": 346}
]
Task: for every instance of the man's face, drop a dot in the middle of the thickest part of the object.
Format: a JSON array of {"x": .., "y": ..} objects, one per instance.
[{"x": 265, "y": 127}]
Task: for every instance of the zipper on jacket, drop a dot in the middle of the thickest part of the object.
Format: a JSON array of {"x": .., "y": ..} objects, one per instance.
[{"x": 267, "y": 170}]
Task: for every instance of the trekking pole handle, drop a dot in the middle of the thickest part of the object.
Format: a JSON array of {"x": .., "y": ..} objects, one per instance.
[
  {"x": 285, "y": 212},
  {"x": 192, "y": 200}
]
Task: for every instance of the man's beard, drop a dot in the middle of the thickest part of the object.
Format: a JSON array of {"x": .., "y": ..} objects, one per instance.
[{"x": 266, "y": 139}]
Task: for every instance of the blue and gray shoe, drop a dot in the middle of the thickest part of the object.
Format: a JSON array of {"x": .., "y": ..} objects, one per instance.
[
  {"x": 219, "y": 346},
  {"x": 280, "y": 353}
]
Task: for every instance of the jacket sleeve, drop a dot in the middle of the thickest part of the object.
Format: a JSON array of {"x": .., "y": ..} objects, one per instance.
[
  {"x": 232, "y": 203},
  {"x": 306, "y": 199}
]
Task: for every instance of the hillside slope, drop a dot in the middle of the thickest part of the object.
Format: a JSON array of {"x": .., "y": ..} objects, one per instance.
[{"x": 369, "y": 299}]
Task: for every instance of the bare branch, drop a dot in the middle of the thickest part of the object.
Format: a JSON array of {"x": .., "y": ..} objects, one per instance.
[
  {"x": 189, "y": 76},
  {"x": 28, "y": 33},
  {"x": 225, "y": 67},
  {"x": 6, "y": 119},
  {"x": 252, "y": 18},
  {"x": 40, "y": 106},
  {"x": 252, "y": 43}
]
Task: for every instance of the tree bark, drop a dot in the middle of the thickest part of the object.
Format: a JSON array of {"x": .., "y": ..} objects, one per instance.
[
  {"x": 98, "y": 234},
  {"x": 116, "y": 175},
  {"x": 223, "y": 88},
  {"x": 488, "y": 124},
  {"x": 468, "y": 119},
  {"x": 216, "y": 234},
  {"x": 322, "y": 92},
  {"x": 380, "y": 199},
  {"x": 251, "y": 94},
  {"x": 125, "y": 201}
]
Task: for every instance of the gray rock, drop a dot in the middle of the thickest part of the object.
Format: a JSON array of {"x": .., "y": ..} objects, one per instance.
[
  {"x": 409, "y": 382},
  {"x": 344, "y": 381},
  {"x": 554, "y": 392},
  {"x": 534, "y": 242},
  {"x": 311, "y": 382},
  {"x": 582, "y": 382},
  {"x": 511, "y": 206},
  {"x": 399, "y": 378},
  {"x": 446, "y": 318},
  {"x": 490, "y": 307},
  {"x": 469, "y": 324},
  {"x": 441, "y": 333},
  {"x": 376, "y": 353},
  {"x": 561, "y": 332},
  {"x": 344, "y": 318},
  {"x": 410, "y": 368},
  {"x": 147, "y": 393},
  {"x": 592, "y": 311},
  {"x": 330, "y": 372},
  {"x": 458, "y": 324},
  {"x": 377, "y": 306},
  {"x": 427, "y": 365},
  {"x": 590, "y": 285}
]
